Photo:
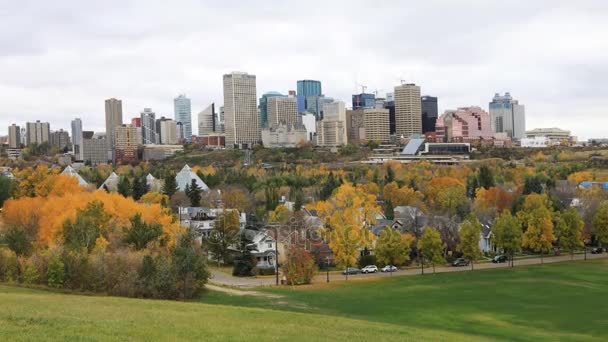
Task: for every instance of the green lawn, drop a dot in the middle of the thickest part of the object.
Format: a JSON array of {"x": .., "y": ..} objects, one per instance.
[{"x": 565, "y": 301}]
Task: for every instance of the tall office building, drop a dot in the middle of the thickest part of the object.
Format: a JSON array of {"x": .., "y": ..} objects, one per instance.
[
  {"x": 282, "y": 110},
  {"x": 364, "y": 100},
  {"x": 242, "y": 122},
  {"x": 113, "y": 120},
  {"x": 309, "y": 93},
  {"x": 465, "y": 124},
  {"x": 126, "y": 139},
  {"x": 14, "y": 136},
  {"x": 77, "y": 139},
  {"x": 264, "y": 107},
  {"x": 508, "y": 116},
  {"x": 148, "y": 127},
  {"x": 309, "y": 88},
  {"x": 183, "y": 114},
  {"x": 60, "y": 139},
  {"x": 37, "y": 132},
  {"x": 390, "y": 105},
  {"x": 408, "y": 112},
  {"x": 429, "y": 113}
]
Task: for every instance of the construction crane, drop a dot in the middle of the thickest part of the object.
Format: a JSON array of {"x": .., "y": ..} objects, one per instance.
[{"x": 363, "y": 88}]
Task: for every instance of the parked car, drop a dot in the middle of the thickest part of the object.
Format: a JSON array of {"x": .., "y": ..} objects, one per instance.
[
  {"x": 351, "y": 270},
  {"x": 369, "y": 269},
  {"x": 389, "y": 268},
  {"x": 460, "y": 262},
  {"x": 499, "y": 259},
  {"x": 597, "y": 250}
]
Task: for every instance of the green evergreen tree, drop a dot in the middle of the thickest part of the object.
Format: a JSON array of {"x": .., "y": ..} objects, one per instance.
[
  {"x": 244, "y": 262},
  {"x": 139, "y": 187},
  {"x": 194, "y": 193},
  {"x": 16, "y": 240},
  {"x": 141, "y": 233},
  {"x": 169, "y": 185},
  {"x": 124, "y": 186},
  {"x": 389, "y": 210},
  {"x": 486, "y": 177},
  {"x": 189, "y": 266}
]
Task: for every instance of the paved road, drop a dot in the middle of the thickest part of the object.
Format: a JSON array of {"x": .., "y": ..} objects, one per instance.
[{"x": 220, "y": 278}]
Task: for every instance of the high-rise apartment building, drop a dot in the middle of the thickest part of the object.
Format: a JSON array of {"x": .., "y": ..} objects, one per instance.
[
  {"x": 367, "y": 124},
  {"x": 242, "y": 122},
  {"x": 167, "y": 131},
  {"x": 207, "y": 121},
  {"x": 282, "y": 110},
  {"x": 408, "y": 112},
  {"x": 126, "y": 139},
  {"x": 77, "y": 139},
  {"x": 331, "y": 130},
  {"x": 508, "y": 116},
  {"x": 113, "y": 120},
  {"x": 94, "y": 149},
  {"x": 264, "y": 106},
  {"x": 60, "y": 139},
  {"x": 37, "y": 132},
  {"x": 429, "y": 113},
  {"x": 149, "y": 134},
  {"x": 183, "y": 114},
  {"x": 14, "y": 136}
]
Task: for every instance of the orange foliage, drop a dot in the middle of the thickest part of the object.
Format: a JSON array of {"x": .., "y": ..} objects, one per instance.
[
  {"x": 42, "y": 181},
  {"x": 438, "y": 184},
  {"x": 581, "y": 176},
  {"x": 51, "y": 212},
  {"x": 493, "y": 198}
]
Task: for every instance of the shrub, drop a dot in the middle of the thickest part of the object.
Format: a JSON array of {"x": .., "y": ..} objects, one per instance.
[
  {"x": 367, "y": 260},
  {"x": 56, "y": 272},
  {"x": 300, "y": 267},
  {"x": 264, "y": 271},
  {"x": 30, "y": 275},
  {"x": 9, "y": 265}
]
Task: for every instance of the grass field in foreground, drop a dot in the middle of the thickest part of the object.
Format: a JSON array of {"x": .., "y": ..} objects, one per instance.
[
  {"x": 565, "y": 301},
  {"x": 562, "y": 301}
]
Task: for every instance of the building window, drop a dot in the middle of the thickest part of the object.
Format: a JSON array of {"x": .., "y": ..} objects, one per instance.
[{"x": 270, "y": 245}]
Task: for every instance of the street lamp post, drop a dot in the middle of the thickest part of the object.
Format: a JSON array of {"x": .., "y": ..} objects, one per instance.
[
  {"x": 327, "y": 268},
  {"x": 422, "y": 261}
]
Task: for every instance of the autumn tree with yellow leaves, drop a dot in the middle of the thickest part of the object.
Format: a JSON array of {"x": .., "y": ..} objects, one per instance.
[{"x": 347, "y": 215}]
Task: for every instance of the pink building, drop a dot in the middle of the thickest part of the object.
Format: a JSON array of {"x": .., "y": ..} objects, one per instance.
[{"x": 464, "y": 124}]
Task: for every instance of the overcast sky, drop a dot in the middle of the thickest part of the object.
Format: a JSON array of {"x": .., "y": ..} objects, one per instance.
[{"x": 61, "y": 59}]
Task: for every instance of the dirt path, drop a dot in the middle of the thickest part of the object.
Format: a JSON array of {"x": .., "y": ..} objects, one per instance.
[{"x": 236, "y": 292}]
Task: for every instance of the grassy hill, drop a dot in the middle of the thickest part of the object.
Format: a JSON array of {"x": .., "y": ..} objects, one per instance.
[{"x": 563, "y": 301}]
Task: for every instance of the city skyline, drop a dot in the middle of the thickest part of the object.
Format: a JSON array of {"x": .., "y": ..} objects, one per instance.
[{"x": 558, "y": 78}]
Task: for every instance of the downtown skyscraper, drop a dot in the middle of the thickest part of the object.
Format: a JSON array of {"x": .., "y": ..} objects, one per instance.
[
  {"x": 149, "y": 134},
  {"x": 508, "y": 116},
  {"x": 77, "y": 139},
  {"x": 183, "y": 113},
  {"x": 113, "y": 120},
  {"x": 240, "y": 110},
  {"x": 408, "y": 111}
]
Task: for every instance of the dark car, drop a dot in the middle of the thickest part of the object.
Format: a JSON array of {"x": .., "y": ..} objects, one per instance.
[
  {"x": 351, "y": 270},
  {"x": 499, "y": 259},
  {"x": 597, "y": 250},
  {"x": 460, "y": 262}
]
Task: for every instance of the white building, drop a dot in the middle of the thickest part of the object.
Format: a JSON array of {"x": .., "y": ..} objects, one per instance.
[
  {"x": 331, "y": 130},
  {"x": 167, "y": 131},
  {"x": 284, "y": 136},
  {"x": 555, "y": 135},
  {"x": 508, "y": 116},
  {"x": 408, "y": 110},
  {"x": 309, "y": 120},
  {"x": 535, "y": 142}
]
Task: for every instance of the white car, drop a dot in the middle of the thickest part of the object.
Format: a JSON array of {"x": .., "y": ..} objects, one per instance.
[
  {"x": 389, "y": 268},
  {"x": 369, "y": 269}
]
